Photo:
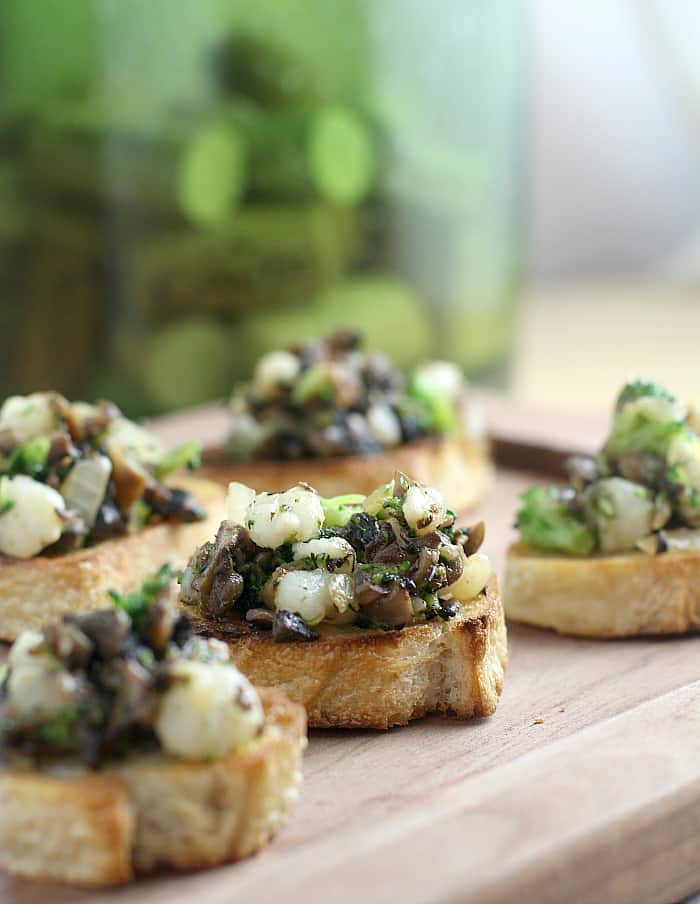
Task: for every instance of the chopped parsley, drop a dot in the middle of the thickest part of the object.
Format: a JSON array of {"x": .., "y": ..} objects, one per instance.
[
  {"x": 187, "y": 456},
  {"x": 137, "y": 603}
]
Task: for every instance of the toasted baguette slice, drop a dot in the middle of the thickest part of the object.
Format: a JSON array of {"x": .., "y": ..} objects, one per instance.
[
  {"x": 152, "y": 811},
  {"x": 35, "y": 591},
  {"x": 356, "y": 678},
  {"x": 460, "y": 468},
  {"x": 604, "y": 596}
]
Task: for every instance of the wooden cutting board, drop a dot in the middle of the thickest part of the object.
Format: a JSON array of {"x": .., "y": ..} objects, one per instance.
[{"x": 584, "y": 786}]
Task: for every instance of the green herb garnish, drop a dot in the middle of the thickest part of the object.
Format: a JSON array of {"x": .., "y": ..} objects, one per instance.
[
  {"x": 186, "y": 456},
  {"x": 59, "y": 731},
  {"x": 137, "y": 603},
  {"x": 29, "y": 458}
]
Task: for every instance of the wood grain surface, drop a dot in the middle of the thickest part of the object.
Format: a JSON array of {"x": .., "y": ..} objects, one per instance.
[{"x": 584, "y": 786}]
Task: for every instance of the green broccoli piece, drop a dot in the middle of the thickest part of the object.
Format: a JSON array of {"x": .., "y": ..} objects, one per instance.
[
  {"x": 30, "y": 458},
  {"x": 185, "y": 456},
  {"x": 137, "y": 603},
  {"x": 339, "y": 509},
  {"x": 314, "y": 383},
  {"x": 437, "y": 413},
  {"x": 59, "y": 731},
  {"x": 545, "y": 522},
  {"x": 647, "y": 417},
  {"x": 640, "y": 388},
  {"x": 5, "y": 502}
]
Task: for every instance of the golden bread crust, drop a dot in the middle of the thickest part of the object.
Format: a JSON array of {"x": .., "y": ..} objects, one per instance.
[
  {"x": 353, "y": 677},
  {"x": 36, "y": 591},
  {"x": 604, "y": 596},
  {"x": 151, "y": 811},
  {"x": 459, "y": 467}
]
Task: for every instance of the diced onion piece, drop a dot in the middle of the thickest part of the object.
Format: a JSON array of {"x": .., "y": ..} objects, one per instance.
[
  {"x": 476, "y": 572},
  {"x": 621, "y": 511},
  {"x": 209, "y": 711},
  {"x": 273, "y": 371},
  {"x": 134, "y": 442},
  {"x": 29, "y": 416},
  {"x": 341, "y": 592},
  {"x": 384, "y": 425},
  {"x": 33, "y": 522},
  {"x": 238, "y": 500},
  {"x": 333, "y": 553},
  {"x": 26, "y": 648},
  {"x": 424, "y": 509},
  {"x": 208, "y": 649},
  {"x": 277, "y": 518},
  {"x": 684, "y": 451},
  {"x": 376, "y": 499},
  {"x": 85, "y": 486},
  {"x": 681, "y": 538},
  {"x": 442, "y": 378},
  {"x": 245, "y": 435}
]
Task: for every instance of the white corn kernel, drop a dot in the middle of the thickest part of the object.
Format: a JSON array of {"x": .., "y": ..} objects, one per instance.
[
  {"x": 333, "y": 554},
  {"x": 305, "y": 593},
  {"x": 276, "y": 518},
  {"x": 209, "y": 711},
  {"x": 384, "y": 425},
  {"x": 38, "y": 687},
  {"x": 33, "y": 521},
  {"x": 273, "y": 371},
  {"x": 475, "y": 575},
  {"x": 424, "y": 509},
  {"x": 29, "y": 416},
  {"x": 238, "y": 500},
  {"x": 442, "y": 378}
]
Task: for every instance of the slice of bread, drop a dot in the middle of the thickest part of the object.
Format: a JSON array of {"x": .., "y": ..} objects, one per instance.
[
  {"x": 39, "y": 590},
  {"x": 100, "y": 828},
  {"x": 358, "y": 678},
  {"x": 460, "y": 468},
  {"x": 604, "y": 596}
]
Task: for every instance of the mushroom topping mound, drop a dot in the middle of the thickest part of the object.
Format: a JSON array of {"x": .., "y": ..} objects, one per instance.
[
  {"x": 74, "y": 474},
  {"x": 289, "y": 562},
  {"x": 329, "y": 398},
  {"x": 130, "y": 677},
  {"x": 640, "y": 492}
]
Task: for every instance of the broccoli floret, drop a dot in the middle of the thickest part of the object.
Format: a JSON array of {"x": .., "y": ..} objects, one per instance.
[
  {"x": 646, "y": 419},
  {"x": 314, "y": 383},
  {"x": 640, "y": 388},
  {"x": 435, "y": 412},
  {"x": 30, "y": 458},
  {"x": 545, "y": 522},
  {"x": 137, "y": 603}
]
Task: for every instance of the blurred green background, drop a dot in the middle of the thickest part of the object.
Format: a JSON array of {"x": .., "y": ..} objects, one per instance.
[{"x": 186, "y": 185}]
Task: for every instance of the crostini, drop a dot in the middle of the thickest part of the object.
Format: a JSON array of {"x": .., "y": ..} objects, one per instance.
[
  {"x": 344, "y": 420},
  {"x": 616, "y": 552},
  {"x": 369, "y": 610},
  {"x": 84, "y": 506},
  {"x": 127, "y": 744}
]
